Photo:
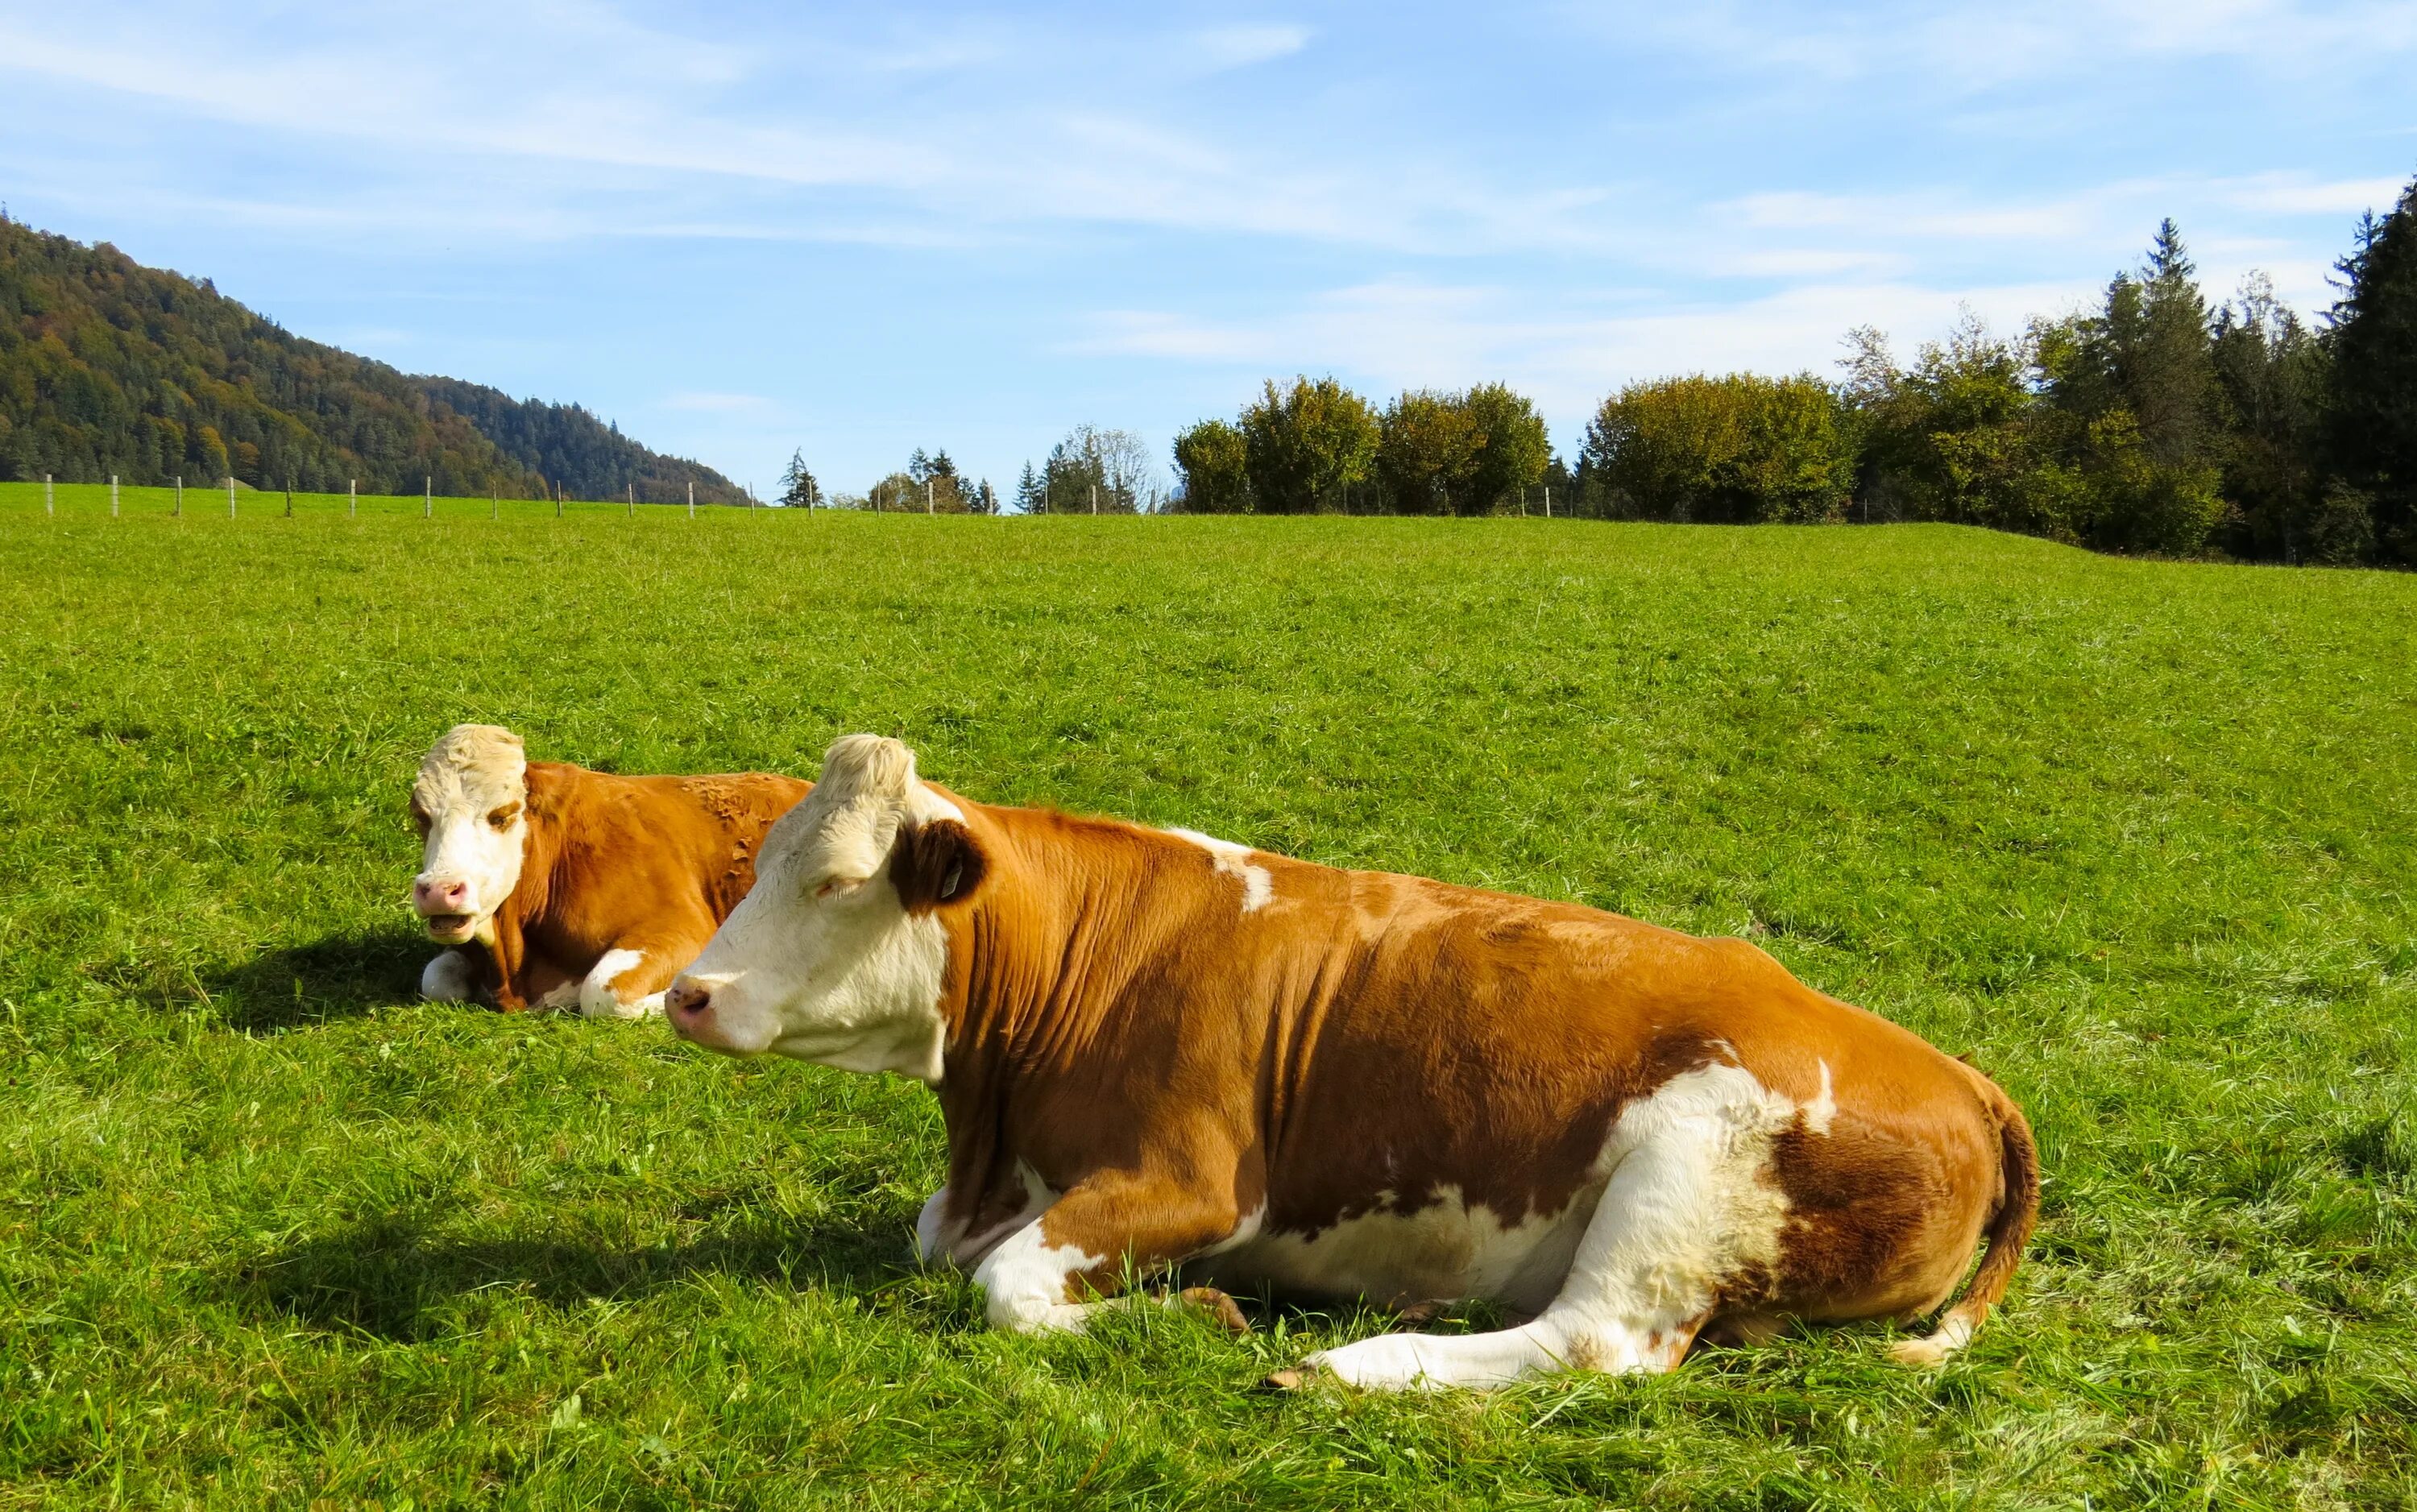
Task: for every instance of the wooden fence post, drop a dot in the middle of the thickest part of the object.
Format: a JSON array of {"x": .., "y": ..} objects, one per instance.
[
  {"x": 180, "y": 496},
  {"x": 692, "y": 498},
  {"x": 351, "y": 498},
  {"x": 50, "y": 503},
  {"x": 427, "y": 497},
  {"x": 633, "y": 510},
  {"x": 289, "y": 497},
  {"x": 229, "y": 495},
  {"x": 113, "y": 495}
]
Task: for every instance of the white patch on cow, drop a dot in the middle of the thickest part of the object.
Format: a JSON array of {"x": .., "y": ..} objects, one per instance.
[
  {"x": 923, "y": 804},
  {"x": 1258, "y": 888},
  {"x": 930, "y": 1228},
  {"x": 1824, "y": 1106},
  {"x": 1245, "y": 1231},
  {"x": 450, "y": 977},
  {"x": 1026, "y": 1279},
  {"x": 937, "y": 1239},
  {"x": 562, "y": 995},
  {"x": 820, "y": 960},
  {"x": 598, "y": 1000},
  {"x": 474, "y": 773},
  {"x": 1685, "y": 1207},
  {"x": 1446, "y": 1249}
]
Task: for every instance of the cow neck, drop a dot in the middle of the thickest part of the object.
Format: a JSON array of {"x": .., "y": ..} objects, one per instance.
[
  {"x": 540, "y": 846},
  {"x": 1024, "y": 995}
]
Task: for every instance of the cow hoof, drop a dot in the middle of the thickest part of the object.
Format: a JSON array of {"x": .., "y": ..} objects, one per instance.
[
  {"x": 1216, "y": 1307},
  {"x": 1299, "y": 1378},
  {"x": 1420, "y": 1314}
]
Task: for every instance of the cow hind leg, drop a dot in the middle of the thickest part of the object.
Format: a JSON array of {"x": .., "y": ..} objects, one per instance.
[{"x": 1686, "y": 1212}]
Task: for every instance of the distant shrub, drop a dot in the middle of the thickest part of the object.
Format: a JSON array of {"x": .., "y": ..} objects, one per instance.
[{"x": 1739, "y": 449}]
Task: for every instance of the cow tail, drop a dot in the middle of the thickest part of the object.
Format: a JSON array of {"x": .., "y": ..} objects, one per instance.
[{"x": 2010, "y": 1229}]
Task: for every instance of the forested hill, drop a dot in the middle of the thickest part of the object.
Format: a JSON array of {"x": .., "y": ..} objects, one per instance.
[
  {"x": 108, "y": 366},
  {"x": 564, "y": 441}
]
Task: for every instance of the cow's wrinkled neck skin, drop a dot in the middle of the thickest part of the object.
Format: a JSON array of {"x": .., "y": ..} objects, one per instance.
[{"x": 1017, "y": 1023}]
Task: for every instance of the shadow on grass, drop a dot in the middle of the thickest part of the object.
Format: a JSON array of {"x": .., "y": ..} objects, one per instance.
[
  {"x": 339, "y": 977},
  {"x": 393, "y": 1278}
]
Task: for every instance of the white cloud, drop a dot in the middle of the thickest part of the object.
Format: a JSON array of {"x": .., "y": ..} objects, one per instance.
[{"x": 1235, "y": 46}]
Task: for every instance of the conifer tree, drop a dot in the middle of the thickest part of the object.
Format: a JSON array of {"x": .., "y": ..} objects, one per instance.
[
  {"x": 2373, "y": 426},
  {"x": 798, "y": 489}
]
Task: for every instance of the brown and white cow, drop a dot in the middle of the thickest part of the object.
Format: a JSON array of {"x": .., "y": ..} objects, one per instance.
[
  {"x": 1153, "y": 1048},
  {"x": 558, "y": 885}
]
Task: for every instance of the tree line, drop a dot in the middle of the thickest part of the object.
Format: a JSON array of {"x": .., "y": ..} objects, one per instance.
[
  {"x": 2149, "y": 422},
  {"x": 108, "y": 367},
  {"x": 1092, "y": 471}
]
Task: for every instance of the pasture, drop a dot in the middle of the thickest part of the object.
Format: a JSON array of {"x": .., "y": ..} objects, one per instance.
[{"x": 2139, "y": 837}]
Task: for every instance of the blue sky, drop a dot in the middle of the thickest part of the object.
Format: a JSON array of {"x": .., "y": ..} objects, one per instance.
[{"x": 739, "y": 228}]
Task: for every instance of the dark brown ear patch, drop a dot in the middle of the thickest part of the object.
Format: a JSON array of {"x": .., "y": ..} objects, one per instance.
[{"x": 936, "y": 865}]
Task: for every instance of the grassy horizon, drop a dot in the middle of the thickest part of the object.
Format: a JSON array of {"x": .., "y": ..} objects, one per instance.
[{"x": 2136, "y": 836}]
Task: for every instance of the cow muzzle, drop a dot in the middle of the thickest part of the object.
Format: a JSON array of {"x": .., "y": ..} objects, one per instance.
[
  {"x": 692, "y": 1005},
  {"x": 443, "y": 903}
]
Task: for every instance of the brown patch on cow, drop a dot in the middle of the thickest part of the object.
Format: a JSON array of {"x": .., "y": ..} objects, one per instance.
[
  {"x": 1744, "y": 1330},
  {"x": 652, "y": 864}
]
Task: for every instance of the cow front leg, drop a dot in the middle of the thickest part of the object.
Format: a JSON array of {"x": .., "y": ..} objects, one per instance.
[
  {"x": 1051, "y": 1275},
  {"x": 452, "y": 976},
  {"x": 629, "y": 983}
]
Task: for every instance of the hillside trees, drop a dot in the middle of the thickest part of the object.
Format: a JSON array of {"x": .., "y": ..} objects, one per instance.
[
  {"x": 1212, "y": 469},
  {"x": 1957, "y": 436},
  {"x": 1427, "y": 447},
  {"x": 1512, "y": 447},
  {"x": 1315, "y": 447},
  {"x": 1092, "y": 471},
  {"x": 108, "y": 366},
  {"x": 2372, "y": 429},
  {"x": 2270, "y": 373},
  {"x": 1306, "y": 447},
  {"x": 1463, "y": 454},
  {"x": 1738, "y": 449}
]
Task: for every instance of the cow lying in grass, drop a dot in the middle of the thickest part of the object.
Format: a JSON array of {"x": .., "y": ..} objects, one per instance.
[
  {"x": 1156, "y": 1049},
  {"x": 558, "y": 885}
]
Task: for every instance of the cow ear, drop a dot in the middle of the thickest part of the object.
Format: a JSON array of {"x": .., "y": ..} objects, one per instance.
[{"x": 937, "y": 864}]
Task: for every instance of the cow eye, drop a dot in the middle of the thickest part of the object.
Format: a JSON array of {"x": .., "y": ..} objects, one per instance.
[
  {"x": 418, "y": 817},
  {"x": 502, "y": 818}
]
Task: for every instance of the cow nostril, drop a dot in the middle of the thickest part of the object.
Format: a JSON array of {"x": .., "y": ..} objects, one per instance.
[{"x": 687, "y": 998}]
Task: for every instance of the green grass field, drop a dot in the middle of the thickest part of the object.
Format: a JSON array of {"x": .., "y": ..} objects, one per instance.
[{"x": 2139, "y": 837}]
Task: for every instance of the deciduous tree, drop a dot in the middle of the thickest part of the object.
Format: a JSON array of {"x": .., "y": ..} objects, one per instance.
[{"x": 1306, "y": 445}]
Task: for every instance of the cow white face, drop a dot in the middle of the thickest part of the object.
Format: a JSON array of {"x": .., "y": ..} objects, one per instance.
[
  {"x": 471, "y": 805},
  {"x": 837, "y": 953}
]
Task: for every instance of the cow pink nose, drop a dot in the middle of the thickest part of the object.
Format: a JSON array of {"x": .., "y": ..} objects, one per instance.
[
  {"x": 687, "y": 999},
  {"x": 441, "y": 897}
]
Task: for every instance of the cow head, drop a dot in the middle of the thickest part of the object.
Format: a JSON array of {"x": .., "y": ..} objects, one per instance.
[
  {"x": 471, "y": 807},
  {"x": 837, "y": 954}
]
